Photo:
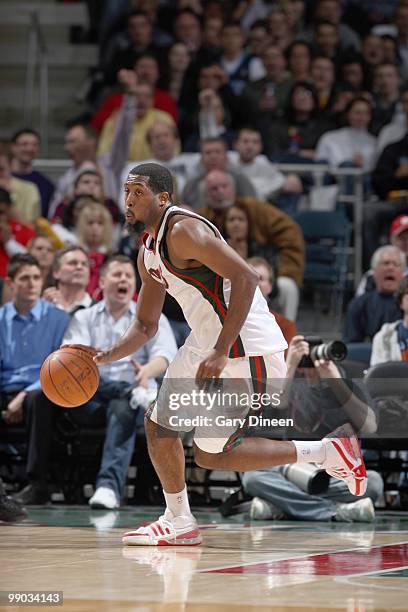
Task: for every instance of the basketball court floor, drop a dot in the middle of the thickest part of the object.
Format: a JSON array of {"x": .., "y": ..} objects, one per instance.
[{"x": 288, "y": 566}]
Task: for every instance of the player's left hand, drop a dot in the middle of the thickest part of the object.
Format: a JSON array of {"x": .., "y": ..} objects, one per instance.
[{"x": 212, "y": 366}]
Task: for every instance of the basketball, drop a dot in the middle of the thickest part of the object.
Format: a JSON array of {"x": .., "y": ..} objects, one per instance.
[{"x": 69, "y": 377}]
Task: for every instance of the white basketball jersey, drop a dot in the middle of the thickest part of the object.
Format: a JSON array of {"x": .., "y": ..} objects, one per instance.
[{"x": 204, "y": 297}]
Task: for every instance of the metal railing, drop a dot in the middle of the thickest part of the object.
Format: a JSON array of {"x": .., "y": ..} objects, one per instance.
[
  {"x": 37, "y": 55},
  {"x": 55, "y": 167},
  {"x": 356, "y": 200}
]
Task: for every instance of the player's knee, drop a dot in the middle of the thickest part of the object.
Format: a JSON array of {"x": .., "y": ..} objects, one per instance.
[{"x": 203, "y": 459}]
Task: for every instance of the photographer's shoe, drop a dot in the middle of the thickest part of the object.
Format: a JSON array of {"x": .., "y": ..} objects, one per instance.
[
  {"x": 262, "y": 510},
  {"x": 345, "y": 461},
  {"x": 168, "y": 530},
  {"x": 361, "y": 511}
]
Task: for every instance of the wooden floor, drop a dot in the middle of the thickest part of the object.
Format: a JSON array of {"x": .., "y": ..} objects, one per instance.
[{"x": 289, "y": 566}]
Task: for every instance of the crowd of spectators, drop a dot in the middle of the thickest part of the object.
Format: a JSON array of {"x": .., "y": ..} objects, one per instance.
[{"x": 219, "y": 93}]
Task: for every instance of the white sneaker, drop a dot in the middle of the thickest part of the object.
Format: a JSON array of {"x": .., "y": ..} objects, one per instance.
[
  {"x": 262, "y": 510},
  {"x": 361, "y": 511},
  {"x": 168, "y": 530},
  {"x": 104, "y": 498},
  {"x": 345, "y": 461}
]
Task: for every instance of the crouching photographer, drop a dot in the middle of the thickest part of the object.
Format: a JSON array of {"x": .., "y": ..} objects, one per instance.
[{"x": 320, "y": 401}]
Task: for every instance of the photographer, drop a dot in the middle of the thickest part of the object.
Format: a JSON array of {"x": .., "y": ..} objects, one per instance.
[
  {"x": 325, "y": 395},
  {"x": 320, "y": 400}
]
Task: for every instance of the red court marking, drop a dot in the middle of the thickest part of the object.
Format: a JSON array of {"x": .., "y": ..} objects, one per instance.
[{"x": 329, "y": 564}]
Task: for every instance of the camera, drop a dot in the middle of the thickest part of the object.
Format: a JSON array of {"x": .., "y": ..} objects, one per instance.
[{"x": 330, "y": 351}]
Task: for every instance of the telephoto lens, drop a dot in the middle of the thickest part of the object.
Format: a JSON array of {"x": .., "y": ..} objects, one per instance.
[
  {"x": 330, "y": 351},
  {"x": 308, "y": 477}
]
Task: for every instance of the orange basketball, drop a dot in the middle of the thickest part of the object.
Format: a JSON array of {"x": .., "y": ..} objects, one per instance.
[{"x": 69, "y": 377}]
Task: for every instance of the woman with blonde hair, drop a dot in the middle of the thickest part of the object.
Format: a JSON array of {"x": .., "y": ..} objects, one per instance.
[{"x": 94, "y": 230}]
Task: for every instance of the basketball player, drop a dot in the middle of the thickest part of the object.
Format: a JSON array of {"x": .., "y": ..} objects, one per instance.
[{"x": 233, "y": 335}]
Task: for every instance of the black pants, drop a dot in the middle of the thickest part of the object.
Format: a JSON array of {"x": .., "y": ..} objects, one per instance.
[{"x": 39, "y": 415}]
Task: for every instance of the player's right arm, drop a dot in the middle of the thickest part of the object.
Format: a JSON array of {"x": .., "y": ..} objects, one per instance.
[{"x": 144, "y": 327}]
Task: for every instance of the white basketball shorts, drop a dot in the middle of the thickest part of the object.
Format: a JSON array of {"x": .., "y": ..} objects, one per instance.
[{"x": 218, "y": 418}]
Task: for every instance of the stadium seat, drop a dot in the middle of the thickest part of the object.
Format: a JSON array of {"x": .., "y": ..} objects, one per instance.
[
  {"x": 359, "y": 351},
  {"x": 387, "y": 383},
  {"x": 327, "y": 237}
]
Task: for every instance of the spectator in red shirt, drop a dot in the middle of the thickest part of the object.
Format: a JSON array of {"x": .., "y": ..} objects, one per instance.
[
  {"x": 147, "y": 71},
  {"x": 14, "y": 235},
  {"x": 94, "y": 230}
]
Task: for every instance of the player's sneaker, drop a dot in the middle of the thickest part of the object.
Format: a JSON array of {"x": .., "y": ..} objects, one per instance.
[
  {"x": 345, "y": 461},
  {"x": 168, "y": 530}
]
